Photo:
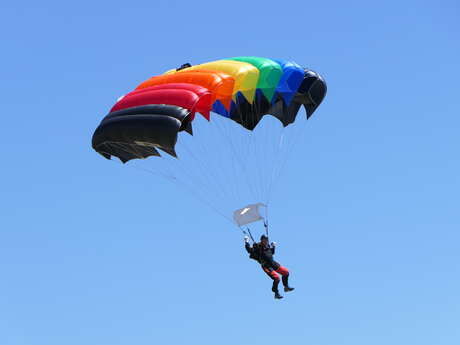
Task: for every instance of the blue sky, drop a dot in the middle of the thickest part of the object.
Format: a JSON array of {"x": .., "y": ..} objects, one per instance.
[{"x": 366, "y": 218}]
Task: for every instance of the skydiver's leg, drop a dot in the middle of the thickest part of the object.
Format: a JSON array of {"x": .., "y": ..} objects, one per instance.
[
  {"x": 284, "y": 273},
  {"x": 285, "y": 277},
  {"x": 276, "y": 280}
]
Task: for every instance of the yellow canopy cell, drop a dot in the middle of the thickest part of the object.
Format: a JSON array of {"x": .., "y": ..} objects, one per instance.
[{"x": 246, "y": 75}]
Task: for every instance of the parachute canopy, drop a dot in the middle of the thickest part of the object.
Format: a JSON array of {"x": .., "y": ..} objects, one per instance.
[{"x": 240, "y": 89}]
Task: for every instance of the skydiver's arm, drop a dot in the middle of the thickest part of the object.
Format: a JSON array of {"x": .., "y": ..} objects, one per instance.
[{"x": 248, "y": 247}]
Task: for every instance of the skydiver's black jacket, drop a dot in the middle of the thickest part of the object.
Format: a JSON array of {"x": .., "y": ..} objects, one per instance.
[{"x": 262, "y": 254}]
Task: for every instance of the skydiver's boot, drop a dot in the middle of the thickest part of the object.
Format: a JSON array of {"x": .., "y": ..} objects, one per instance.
[
  {"x": 275, "y": 288},
  {"x": 287, "y": 288}
]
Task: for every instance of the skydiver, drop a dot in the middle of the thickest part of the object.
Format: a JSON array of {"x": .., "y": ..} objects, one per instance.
[{"x": 263, "y": 253}]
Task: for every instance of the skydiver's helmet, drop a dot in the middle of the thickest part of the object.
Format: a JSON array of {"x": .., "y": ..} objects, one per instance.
[{"x": 263, "y": 237}]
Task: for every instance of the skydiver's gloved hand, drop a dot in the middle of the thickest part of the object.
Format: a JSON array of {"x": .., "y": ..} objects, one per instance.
[
  {"x": 246, "y": 239},
  {"x": 273, "y": 244}
]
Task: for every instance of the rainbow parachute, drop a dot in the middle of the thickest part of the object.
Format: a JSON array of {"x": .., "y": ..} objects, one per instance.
[{"x": 241, "y": 89}]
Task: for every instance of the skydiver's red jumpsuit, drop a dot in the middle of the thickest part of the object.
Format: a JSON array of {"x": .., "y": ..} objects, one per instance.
[{"x": 264, "y": 255}]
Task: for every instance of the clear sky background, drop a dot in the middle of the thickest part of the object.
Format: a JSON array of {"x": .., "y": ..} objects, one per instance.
[{"x": 367, "y": 218}]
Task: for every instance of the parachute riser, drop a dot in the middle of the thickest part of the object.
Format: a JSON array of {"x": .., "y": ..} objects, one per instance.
[
  {"x": 266, "y": 228},
  {"x": 248, "y": 232}
]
